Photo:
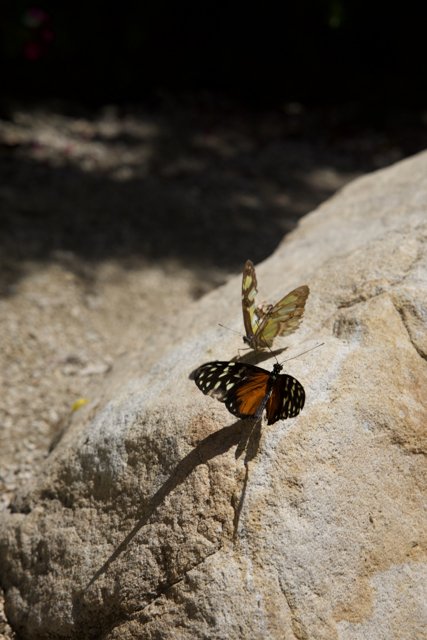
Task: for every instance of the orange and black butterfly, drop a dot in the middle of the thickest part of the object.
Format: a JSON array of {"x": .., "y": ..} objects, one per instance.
[
  {"x": 263, "y": 324},
  {"x": 247, "y": 390}
]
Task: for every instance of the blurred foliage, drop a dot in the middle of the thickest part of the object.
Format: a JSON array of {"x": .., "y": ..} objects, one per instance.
[{"x": 312, "y": 50}]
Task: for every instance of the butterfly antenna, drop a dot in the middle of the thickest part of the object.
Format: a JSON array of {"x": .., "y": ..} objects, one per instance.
[
  {"x": 271, "y": 352},
  {"x": 230, "y": 329},
  {"x": 303, "y": 352}
]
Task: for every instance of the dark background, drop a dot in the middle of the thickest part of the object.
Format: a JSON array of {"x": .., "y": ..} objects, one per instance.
[
  {"x": 262, "y": 112},
  {"x": 314, "y": 51}
]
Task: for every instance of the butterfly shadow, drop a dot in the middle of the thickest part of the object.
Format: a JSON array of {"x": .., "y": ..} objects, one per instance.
[
  {"x": 250, "y": 445},
  {"x": 239, "y": 433},
  {"x": 255, "y": 357}
]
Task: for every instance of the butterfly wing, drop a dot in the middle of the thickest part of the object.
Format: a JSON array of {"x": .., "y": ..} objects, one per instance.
[
  {"x": 242, "y": 387},
  {"x": 282, "y": 319},
  {"x": 246, "y": 390},
  {"x": 249, "y": 291},
  {"x": 286, "y": 400},
  {"x": 247, "y": 399}
]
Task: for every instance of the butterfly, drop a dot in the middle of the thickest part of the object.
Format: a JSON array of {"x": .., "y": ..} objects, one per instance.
[
  {"x": 247, "y": 390},
  {"x": 264, "y": 323}
]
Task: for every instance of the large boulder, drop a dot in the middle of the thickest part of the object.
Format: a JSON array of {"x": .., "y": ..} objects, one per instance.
[{"x": 160, "y": 515}]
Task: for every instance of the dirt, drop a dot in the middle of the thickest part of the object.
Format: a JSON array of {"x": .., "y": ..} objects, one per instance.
[{"x": 112, "y": 221}]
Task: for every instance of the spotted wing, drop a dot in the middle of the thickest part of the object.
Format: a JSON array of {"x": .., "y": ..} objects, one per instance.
[
  {"x": 242, "y": 387},
  {"x": 282, "y": 319},
  {"x": 286, "y": 400},
  {"x": 249, "y": 291}
]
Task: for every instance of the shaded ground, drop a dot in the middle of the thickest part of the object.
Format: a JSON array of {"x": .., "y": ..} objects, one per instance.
[{"x": 111, "y": 222}]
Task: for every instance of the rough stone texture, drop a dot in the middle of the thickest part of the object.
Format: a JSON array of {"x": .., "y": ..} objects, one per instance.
[{"x": 158, "y": 515}]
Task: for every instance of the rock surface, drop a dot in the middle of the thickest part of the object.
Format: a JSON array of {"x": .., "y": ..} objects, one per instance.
[{"x": 159, "y": 515}]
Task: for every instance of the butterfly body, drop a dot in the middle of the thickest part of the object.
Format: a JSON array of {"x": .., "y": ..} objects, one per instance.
[
  {"x": 248, "y": 390},
  {"x": 264, "y": 322}
]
